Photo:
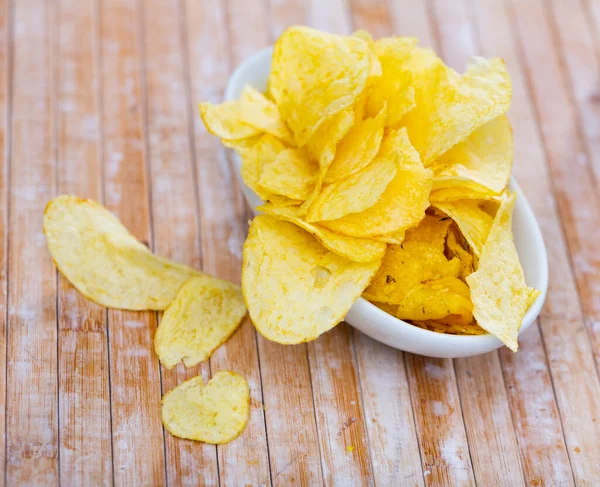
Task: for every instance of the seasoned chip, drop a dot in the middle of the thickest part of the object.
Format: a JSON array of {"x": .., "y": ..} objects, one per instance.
[
  {"x": 225, "y": 121},
  {"x": 375, "y": 64},
  {"x": 456, "y": 249},
  {"x": 403, "y": 203},
  {"x": 356, "y": 193},
  {"x": 358, "y": 148},
  {"x": 254, "y": 160},
  {"x": 106, "y": 264},
  {"x": 462, "y": 193},
  {"x": 292, "y": 174},
  {"x": 474, "y": 223},
  {"x": 482, "y": 162},
  {"x": 452, "y": 329},
  {"x": 499, "y": 292},
  {"x": 449, "y": 106},
  {"x": 322, "y": 145},
  {"x": 315, "y": 75},
  {"x": 263, "y": 114},
  {"x": 352, "y": 248},
  {"x": 295, "y": 288},
  {"x": 391, "y": 238},
  {"x": 205, "y": 313},
  {"x": 216, "y": 413}
]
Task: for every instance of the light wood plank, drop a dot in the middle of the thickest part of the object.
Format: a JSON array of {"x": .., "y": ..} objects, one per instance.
[
  {"x": 85, "y": 424},
  {"x": 32, "y": 401},
  {"x": 285, "y": 13},
  {"x": 174, "y": 199},
  {"x": 567, "y": 347},
  {"x": 246, "y": 460},
  {"x": 138, "y": 449}
]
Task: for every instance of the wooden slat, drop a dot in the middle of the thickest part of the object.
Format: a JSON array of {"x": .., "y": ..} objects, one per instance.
[
  {"x": 246, "y": 460},
  {"x": 138, "y": 450},
  {"x": 283, "y": 14},
  {"x": 174, "y": 199},
  {"x": 31, "y": 402},
  {"x": 85, "y": 424},
  {"x": 564, "y": 339}
]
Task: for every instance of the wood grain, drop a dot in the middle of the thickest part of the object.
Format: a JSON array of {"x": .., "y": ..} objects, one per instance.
[
  {"x": 31, "y": 387},
  {"x": 138, "y": 449},
  {"x": 85, "y": 423}
]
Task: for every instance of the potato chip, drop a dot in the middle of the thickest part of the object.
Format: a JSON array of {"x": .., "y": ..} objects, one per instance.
[
  {"x": 499, "y": 292},
  {"x": 390, "y": 238},
  {"x": 225, "y": 121},
  {"x": 263, "y": 114},
  {"x": 295, "y": 289},
  {"x": 254, "y": 160},
  {"x": 462, "y": 193},
  {"x": 449, "y": 107},
  {"x": 454, "y": 329},
  {"x": 216, "y": 413},
  {"x": 322, "y": 145},
  {"x": 356, "y": 193},
  {"x": 375, "y": 64},
  {"x": 358, "y": 148},
  {"x": 292, "y": 174},
  {"x": 404, "y": 201},
  {"x": 106, "y": 264},
  {"x": 315, "y": 75},
  {"x": 482, "y": 162},
  {"x": 241, "y": 146},
  {"x": 205, "y": 313},
  {"x": 418, "y": 259},
  {"x": 352, "y": 248},
  {"x": 456, "y": 249},
  {"x": 474, "y": 223}
]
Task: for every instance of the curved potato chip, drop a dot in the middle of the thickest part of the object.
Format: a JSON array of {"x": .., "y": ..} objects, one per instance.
[
  {"x": 462, "y": 193},
  {"x": 355, "y": 249},
  {"x": 449, "y": 106},
  {"x": 375, "y": 64},
  {"x": 292, "y": 174},
  {"x": 455, "y": 249},
  {"x": 295, "y": 289},
  {"x": 391, "y": 238},
  {"x": 261, "y": 113},
  {"x": 254, "y": 160},
  {"x": 452, "y": 329},
  {"x": 356, "y": 193},
  {"x": 106, "y": 264},
  {"x": 315, "y": 75},
  {"x": 216, "y": 413},
  {"x": 322, "y": 145},
  {"x": 225, "y": 121},
  {"x": 474, "y": 223},
  {"x": 358, "y": 148},
  {"x": 205, "y": 313},
  {"x": 402, "y": 204},
  {"x": 481, "y": 162},
  {"x": 241, "y": 146}
]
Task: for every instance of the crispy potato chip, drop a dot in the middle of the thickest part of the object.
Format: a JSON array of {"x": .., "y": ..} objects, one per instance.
[
  {"x": 358, "y": 148},
  {"x": 449, "y": 107},
  {"x": 456, "y": 249},
  {"x": 356, "y": 193},
  {"x": 322, "y": 145},
  {"x": 499, "y": 292},
  {"x": 462, "y": 193},
  {"x": 482, "y": 162},
  {"x": 355, "y": 249},
  {"x": 216, "y": 413},
  {"x": 241, "y": 146},
  {"x": 292, "y": 174},
  {"x": 263, "y": 114},
  {"x": 469, "y": 329},
  {"x": 391, "y": 238},
  {"x": 295, "y": 289},
  {"x": 474, "y": 223},
  {"x": 418, "y": 259},
  {"x": 265, "y": 151},
  {"x": 375, "y": 64},
  {"x": 106, "y": 264},
  {"x": 315, "y": 75},
  {"x": 404, "y": 201},
  {"x": 225, "y": 121},
  {"x": 205, "y": 313}
]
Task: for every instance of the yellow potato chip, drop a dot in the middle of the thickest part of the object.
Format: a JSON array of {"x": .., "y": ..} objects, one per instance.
[
  {"x": 499, "y": 292},
  {"x": 462, "y": 193},
  {"x": 295, "y": 289},
  {"x": 254, "y": 160},
  {"x": 356, "y": 193},
  {"x": 106, "y": 264},
  {"x": 375, "y": 64},
  {"x": 456, "y": 249},
  {"x": 241, "y": 146},
  {"x": 390, "y": 238},
  {"x": 358, "y": 148},
  {"x": 395, "y": 86},
  {"x": 355, "y": 249},
  {"x": 292, "y": 174},
  {"x": 216, "y": 413},
  {"x": 454, "y": 329},
  {"x": 482, "y": 162},
  {"x": 418, "y": 259},
  {"x": 315, "y": 75},
  {"x": 261, "y": 113},
  {"x": 205, "y": 313},
  {"x": 404, "y": 201},
  {"x": 449, "y": 106},
  {"x": 322, "y": 145},
  {"x": 474, "y": 223},
  {"x": 225, "y": 121}
]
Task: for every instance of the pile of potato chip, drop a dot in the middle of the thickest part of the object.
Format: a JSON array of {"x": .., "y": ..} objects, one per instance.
[{"x": 384, "y": 174}]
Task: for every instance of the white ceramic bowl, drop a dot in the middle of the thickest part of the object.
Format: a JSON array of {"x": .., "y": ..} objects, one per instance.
[{"x": 380, "y": 325}]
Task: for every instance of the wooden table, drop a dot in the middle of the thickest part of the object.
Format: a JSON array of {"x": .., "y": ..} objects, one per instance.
[{"x": 98, "y": 98}]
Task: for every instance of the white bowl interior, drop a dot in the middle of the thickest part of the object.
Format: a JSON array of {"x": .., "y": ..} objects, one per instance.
[{"x": 380, "y": 325}]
